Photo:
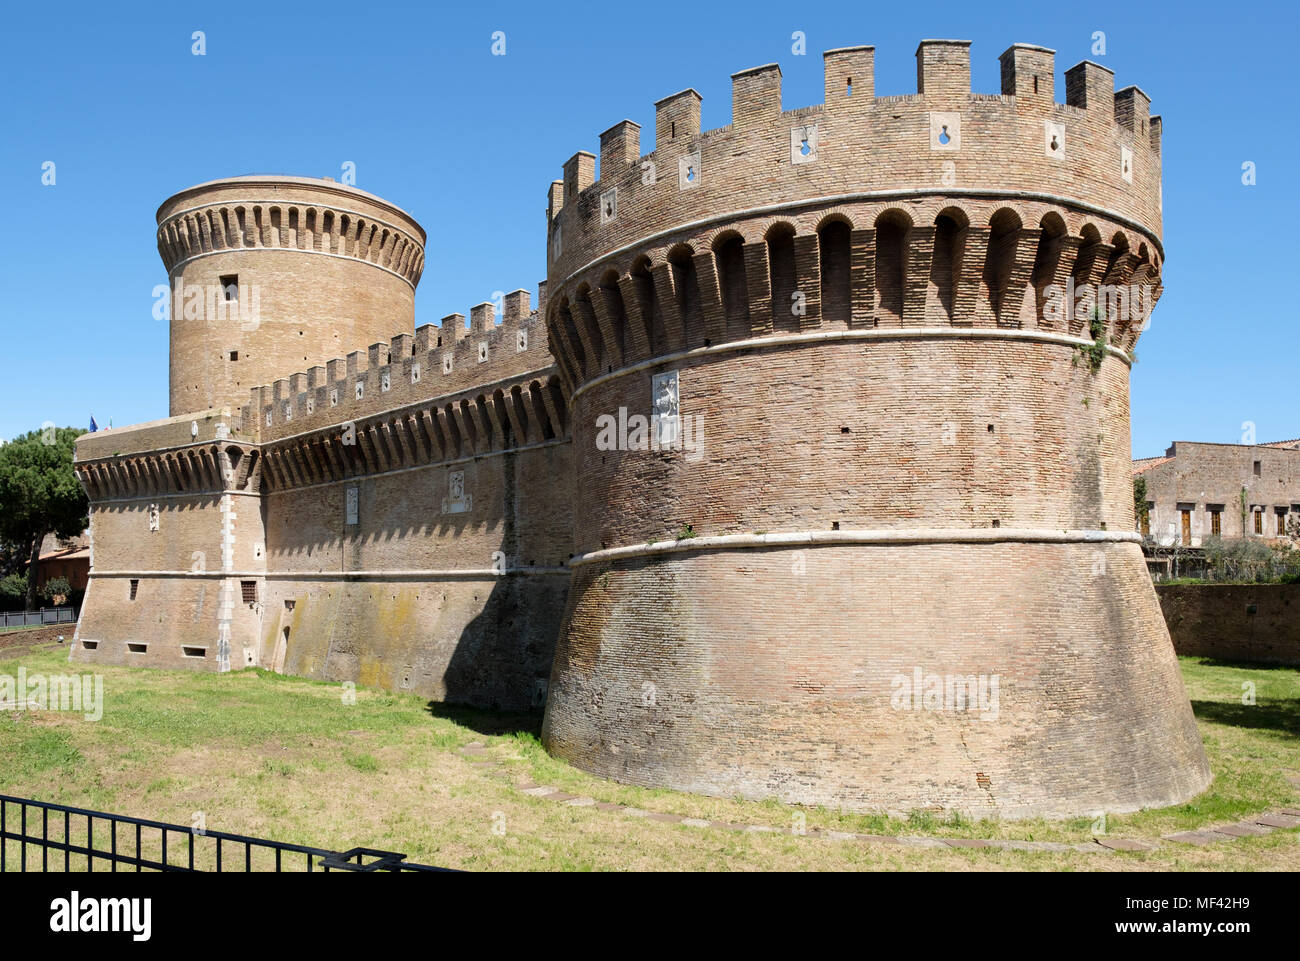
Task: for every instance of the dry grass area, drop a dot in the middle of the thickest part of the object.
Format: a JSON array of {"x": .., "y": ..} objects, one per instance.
[{"x": 285, "y": 758}]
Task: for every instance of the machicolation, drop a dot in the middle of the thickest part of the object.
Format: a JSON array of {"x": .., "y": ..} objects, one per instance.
[{"x": 894, "y": 566}]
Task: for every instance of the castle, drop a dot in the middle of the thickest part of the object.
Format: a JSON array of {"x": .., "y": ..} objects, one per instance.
[{"x": 797, "y": 482}]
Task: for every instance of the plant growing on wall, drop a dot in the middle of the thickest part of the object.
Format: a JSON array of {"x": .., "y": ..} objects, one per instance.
[
  {"x": 1096, "y": 353},
  {"x": 1140, "y": 507}
]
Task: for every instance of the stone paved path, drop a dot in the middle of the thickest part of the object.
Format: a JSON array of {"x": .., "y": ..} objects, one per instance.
[{"x": 1266, "y": 823}]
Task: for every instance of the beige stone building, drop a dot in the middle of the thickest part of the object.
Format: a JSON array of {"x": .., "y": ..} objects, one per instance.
[{"x": 1197, "y": 491}]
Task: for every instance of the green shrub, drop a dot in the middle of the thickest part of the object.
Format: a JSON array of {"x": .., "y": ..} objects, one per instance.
[
  {"x": 56, "y": 591},
  {"x": 13, "y": 591}
]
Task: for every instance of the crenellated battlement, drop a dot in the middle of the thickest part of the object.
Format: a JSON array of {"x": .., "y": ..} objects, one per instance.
[
  {"x": 808, "y": 401},
  {"x": 1098, "y": 151},
  {"x": 436, "y": 361}
]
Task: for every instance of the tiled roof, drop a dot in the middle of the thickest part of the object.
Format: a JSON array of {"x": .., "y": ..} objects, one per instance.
[
  {"x": 67, "y": 554},
  {"x": 53, "y": 545},
  {"x": 1144, "y": 464}
]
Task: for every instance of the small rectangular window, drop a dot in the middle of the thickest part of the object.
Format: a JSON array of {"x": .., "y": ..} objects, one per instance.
[
  {"x": 1281, "y": 521},
  {"x": 1259, "y": 522},
  {"x": 234, "y": 355},
  {"x": 194, "y": 651},
  {"x": 135, "y": 586},
  {"x": 1216, "y": 523},
  {"x": 230, "y": 288},
  {"x": 248, "y": 590},
  {"x": 137, "y": 647},
  {"x": 1257, "y": 466},
  {"x": 90, "y": 645}
]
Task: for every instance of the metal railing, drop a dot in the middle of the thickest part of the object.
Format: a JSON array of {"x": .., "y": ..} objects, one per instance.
[
  {"x": 46, "y": 615},
  {"x": 29, "y": 833}
]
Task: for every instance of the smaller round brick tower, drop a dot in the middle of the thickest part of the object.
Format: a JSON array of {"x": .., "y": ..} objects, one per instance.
[
  {"x": 875, "y": 547},
  {"x": 270, "y": 274}
]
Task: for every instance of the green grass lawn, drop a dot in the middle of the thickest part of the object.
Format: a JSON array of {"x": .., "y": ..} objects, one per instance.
[{"x": 269, "y": 756}]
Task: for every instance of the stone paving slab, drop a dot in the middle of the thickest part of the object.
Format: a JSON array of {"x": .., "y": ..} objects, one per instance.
[
  {"x": 1126, "y": 844},
  {"x": 841, "y": 836},
  {"x": 918, "y": 842},
  {"x": 1245, "y": 829},
  {"x": 1262, "y": 824},
  {"x": 1278, "y": 821},
  {"x": 558, "y": 796},
  {"x": 1195, "y": 837},
  {"x": 664, "y": 818}
]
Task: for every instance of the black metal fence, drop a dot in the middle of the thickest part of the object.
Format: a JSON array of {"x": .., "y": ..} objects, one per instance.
[
  {"x": 46, "y": 615},
  {"x": 38, "y": 836}
]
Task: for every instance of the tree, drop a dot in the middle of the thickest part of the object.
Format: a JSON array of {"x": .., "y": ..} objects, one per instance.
[{"x": 40, "y": 494}]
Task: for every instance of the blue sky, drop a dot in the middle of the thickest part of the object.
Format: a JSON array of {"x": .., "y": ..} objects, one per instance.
[{"x": 468, "y": 143}]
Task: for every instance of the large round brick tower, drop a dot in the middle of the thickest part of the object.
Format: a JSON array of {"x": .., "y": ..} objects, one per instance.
[
  {"x": 270, "y": 274},
  {"x": 875, "y": 548}
]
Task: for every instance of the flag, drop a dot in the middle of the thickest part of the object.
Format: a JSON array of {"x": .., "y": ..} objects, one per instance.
[{"x": 93, "y": 426}]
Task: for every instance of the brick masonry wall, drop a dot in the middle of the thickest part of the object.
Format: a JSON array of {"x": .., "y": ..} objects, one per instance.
[
  {"x": 878, "y": 434},
  {"x": 922, "y": 405},
  {"x": 187, "y": 576},
  {"x": 334, "y": 270},
  {"x": 903, "y": 459},
  {"x": 864, "y": 143},
  {"x": 461, "y": 605},
  {"x": 1234, "y": 622},
  {"x": 707, "y": 672},
  {"x": 446, "y": 626}
]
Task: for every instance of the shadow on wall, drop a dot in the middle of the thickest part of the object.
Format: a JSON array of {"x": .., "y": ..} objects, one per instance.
[{"x": 503, "y": 658}]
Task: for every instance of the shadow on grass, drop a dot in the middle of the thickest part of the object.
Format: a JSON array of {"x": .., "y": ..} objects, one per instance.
[
  {"x": 1281, "y": 715},
  {"x": 1244, "y": 665},
  {"x": 485, "y": 722}
]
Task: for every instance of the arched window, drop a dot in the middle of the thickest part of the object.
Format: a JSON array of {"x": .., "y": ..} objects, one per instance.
[{"x": 833, "y": 244}]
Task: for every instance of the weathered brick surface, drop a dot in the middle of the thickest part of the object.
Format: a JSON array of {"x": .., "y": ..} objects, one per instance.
[
  {"x": 868, "y": 143},
  {"x": 766, "y": 683},
  {"x": 1234, "y": 622},
  {"x": 232, "y": 524},
  {"x": 335, "y": 270},
  {"x": 916, "y": 465},
  {"x": 857, "y": 315}
]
